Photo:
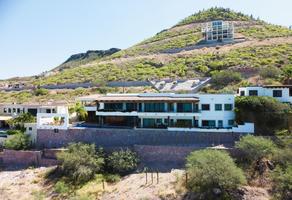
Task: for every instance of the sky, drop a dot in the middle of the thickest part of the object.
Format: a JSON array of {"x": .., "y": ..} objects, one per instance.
[{"x": 38, "y": 35}]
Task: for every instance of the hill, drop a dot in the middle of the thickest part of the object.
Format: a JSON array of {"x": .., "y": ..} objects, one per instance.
[
  {"x": 83, "y": 58},
  {"x": 260, "y": 58}
]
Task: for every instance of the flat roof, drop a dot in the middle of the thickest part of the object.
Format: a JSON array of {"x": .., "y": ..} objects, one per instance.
[
  {"x": 277, "y": 86},
  {"x": 146, "y": 97}
]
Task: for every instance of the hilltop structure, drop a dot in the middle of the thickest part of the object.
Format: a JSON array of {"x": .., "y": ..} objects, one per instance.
[{"x": 218, "y": 31}]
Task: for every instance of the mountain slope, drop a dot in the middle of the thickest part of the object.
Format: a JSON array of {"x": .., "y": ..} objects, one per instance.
[
  {"x": 83, "y": 58},
  {"x": 260, "y": 59}
]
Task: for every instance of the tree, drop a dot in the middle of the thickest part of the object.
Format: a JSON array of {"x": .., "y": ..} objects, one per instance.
[
  {"x": 80, "y": 110},
  {"x": 212, "y": 169},
  {"x": 255, "y": 148},
  {"x": 18, "y": 141},
  {"x": 20, "y": 120},
  {"x": 80, "y": 162},
  {"x": 268, "y": 114},
  {"x": 123, "y": 161}
]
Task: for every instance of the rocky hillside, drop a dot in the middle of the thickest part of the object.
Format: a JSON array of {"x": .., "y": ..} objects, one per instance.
[
  {"x": 83, "y": 58},
  {"x": 263, "y": 56},
  {"x": 176, "y": 52}
]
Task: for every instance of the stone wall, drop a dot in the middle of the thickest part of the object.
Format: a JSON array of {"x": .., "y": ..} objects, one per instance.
[
  {"x": 13, "y": 158},
  {"x": 130, "y": 137}
]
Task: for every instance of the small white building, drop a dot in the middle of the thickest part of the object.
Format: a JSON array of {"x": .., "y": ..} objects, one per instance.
[
  {"x": 32, "y": 108},
  {"x": 177, "y": 112},
  {"x": 281, "y": 92},
  {"x": 218, "y": 31}
]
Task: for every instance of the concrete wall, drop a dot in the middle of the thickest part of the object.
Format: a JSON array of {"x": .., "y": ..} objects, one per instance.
[{"x": 129, "y": 137}]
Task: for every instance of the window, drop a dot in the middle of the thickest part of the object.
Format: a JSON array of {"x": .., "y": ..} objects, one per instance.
[
  {"x": 184, "y": 107},
  {"x": 9, "y": 110},
  {"x": 14, "y": 110},
  {"x": 131, "y": 107},
  {"x": 290, "y": 92},
  {"x": 48, "y": 110},
  {"x": 149, "y": 123},
  {"x": 218, "y": 107},
  {"x": 253, "y": 93},
  {"x": 56, "y": 130},
  {"x": 170, "y": 107},
  {"x": 208, "y": 123},
  {"x": 113, "y": 106},
  {"x": 183, "y": 123},
  {"x": 5, "y": 110},
  {"x": 242, "y": 93},
  {"x": 30, "y": 128},
  {"x": 220, "y": 123},
  {"x": 277, "y": 93},
  {"x": 228, "y": 107},
  {"x": 231, "y": 122},
  {"x": 205, "y": 106},
  {"x": 154, "y": 107},
  {"x": 195, "y": 107}
]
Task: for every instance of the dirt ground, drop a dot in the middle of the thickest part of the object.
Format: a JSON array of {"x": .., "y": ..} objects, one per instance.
[
  {"x": 22, "y": 184},
  {"x": 28, "y": 185}
]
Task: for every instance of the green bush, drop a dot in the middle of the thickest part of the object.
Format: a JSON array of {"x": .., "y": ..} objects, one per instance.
[
  {"x": 61, "y": 187},
  {"x": 18, "y": 141},
  {"x": 123, "y": 161},
  {"x": 41, "y": 92},
  {"x": 112, "y": 178},
  {"x": 283, "y": 157},
  {"x": 255, "y": 148},
  {"x": 13, "y": 132},
  {"x": 210, "y": 169},
  {"x": 270, "y": 72},
  {"x": 80, "y": 162},
  {"x": 282, "y": 183},
  {"x": 268, "y": 114},
  {"x": 224, "y": 78}
]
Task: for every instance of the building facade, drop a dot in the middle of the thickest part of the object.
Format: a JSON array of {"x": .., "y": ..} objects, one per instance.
[
  {"x": 283, "y": 92},
  {"x": 218, "y": 31},
  {"x": 17, "y": 109},
  {"x": 162, "y": 111}
]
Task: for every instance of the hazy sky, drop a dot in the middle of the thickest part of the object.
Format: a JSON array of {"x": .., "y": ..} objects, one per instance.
[{"x": 37, "y": 35}]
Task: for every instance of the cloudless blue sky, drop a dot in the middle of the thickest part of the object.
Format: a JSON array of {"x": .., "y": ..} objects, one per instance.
[{"x": 37, "y": 35}]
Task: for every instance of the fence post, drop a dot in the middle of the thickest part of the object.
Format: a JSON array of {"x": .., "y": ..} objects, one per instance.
[
  {"x": 186, "y": 178},
  {"x": 157, "y": 177},
  {"x": 151, "y": 177},
  {"x": 146, "y": 177},
  {"x": 103, "y": 186}
]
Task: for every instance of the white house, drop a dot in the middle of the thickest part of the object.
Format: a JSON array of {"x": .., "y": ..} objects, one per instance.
[
  {"x": 283, "y": 92},
  {"x": 186, "y": 112}
]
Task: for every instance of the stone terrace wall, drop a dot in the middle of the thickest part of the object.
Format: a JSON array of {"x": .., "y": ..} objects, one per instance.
[
  {"x": 130, "y": 137},
  {"x": 13, "y": 158}
]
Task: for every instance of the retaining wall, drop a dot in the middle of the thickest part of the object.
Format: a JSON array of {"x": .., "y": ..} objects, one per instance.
[
  {"x": 25, "y": 159},
  {"x": 129, "y": 137}
]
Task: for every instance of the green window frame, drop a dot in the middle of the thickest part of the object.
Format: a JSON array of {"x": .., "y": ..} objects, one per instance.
[
  {"x": 205, "y": 107},
  {"x": 228, "y": 107},
  {"x": 231, "y": 122},
  {"x": 218, "y": 107}
]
